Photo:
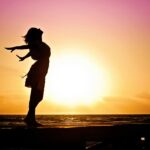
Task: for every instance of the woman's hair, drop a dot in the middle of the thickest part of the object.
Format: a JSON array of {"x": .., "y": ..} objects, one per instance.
[{"x": 33, "y": 34}]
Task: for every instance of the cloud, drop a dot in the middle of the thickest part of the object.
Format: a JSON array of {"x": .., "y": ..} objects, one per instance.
[
  {"x": 14, "y": 104},
  {"x": 109, "y": 105},
  {"x": 123, "y": 105},
  {"x": 144, "y": 95}
]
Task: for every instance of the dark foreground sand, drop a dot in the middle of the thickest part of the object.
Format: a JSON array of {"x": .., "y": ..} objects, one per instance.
[{"x": 112, "y": 137}]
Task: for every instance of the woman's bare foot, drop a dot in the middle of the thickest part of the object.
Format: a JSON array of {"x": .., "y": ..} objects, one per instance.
[{"x": 32, "y": 123}]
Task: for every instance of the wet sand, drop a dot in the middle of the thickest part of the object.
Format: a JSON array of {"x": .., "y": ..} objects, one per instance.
[{"x": 104, "y": 137}]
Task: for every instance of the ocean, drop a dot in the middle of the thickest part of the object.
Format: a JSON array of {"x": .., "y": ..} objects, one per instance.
[{"x": 76, "y": 120}]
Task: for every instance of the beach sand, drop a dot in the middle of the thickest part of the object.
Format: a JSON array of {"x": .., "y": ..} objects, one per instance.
[{"x": 104, "y": 137}]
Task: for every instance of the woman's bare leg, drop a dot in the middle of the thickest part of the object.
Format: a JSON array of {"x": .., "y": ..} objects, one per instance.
[{"x": 35, "y": 97}]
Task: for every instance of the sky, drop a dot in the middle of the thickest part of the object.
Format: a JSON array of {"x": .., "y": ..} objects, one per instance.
[{"x": 100, "y": 55}]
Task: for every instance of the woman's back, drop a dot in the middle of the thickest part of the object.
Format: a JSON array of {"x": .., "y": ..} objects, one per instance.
[{"x": 39, "y": 51}]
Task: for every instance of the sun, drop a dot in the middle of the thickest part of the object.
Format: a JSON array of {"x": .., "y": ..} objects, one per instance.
[{"x": 75, "y": 80}]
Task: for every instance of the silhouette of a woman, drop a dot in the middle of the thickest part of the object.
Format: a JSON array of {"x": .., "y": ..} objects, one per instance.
[{"x": 35, "y": 80}]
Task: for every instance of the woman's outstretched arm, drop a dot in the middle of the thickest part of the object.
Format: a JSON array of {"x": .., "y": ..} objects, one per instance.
[
  {"x": 17, "y": 47},
  {"x": 24, "y": 57}
]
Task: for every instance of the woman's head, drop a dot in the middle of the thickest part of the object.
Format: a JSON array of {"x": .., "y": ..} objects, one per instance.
[{"x": 33, "y": 35}]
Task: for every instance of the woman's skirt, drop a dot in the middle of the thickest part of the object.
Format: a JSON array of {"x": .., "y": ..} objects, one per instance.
[{"x": 36, "y": 75}]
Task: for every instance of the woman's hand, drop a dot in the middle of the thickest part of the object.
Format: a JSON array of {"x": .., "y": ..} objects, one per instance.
[
  {"x": 10, "y": 48},
  {"x": 21, "y": 58}
]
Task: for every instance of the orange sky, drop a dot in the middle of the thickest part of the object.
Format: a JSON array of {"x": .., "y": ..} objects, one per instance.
[{"x": 109, "y": 37}]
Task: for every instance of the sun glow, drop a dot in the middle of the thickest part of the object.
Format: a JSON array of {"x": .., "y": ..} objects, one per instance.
[{"x": 75, "y": 80}]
